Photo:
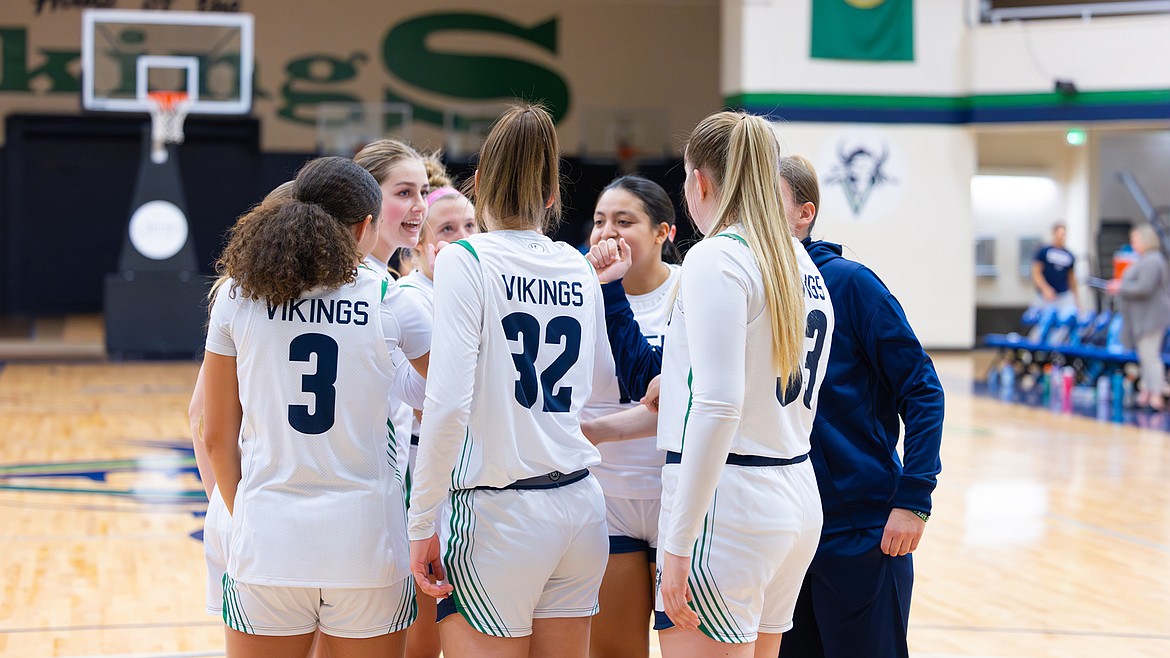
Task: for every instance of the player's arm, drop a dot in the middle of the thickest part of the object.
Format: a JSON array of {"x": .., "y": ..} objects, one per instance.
[
  {"x": 224, "y": 415},
  {"x": 457, "y": 322},
  {"x": 634, "y": 423},
  {"x": 221, "y": 397},
  {"x": 636, "y": 360},
  {"x": 409, "y": 386},
  {"x": 714, "y": 294},
  {"x": 407, "y": 326},
  {"x": 414, "y": 326},
  {"x": 195, "y": 417},
  {"x": 904, "y": 368}
]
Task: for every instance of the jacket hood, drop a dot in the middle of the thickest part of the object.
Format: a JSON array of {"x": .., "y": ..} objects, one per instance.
[{"x": 821, "y": 251}]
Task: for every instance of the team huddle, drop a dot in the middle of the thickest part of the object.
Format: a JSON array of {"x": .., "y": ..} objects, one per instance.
[{"x": 519, "y": 450}]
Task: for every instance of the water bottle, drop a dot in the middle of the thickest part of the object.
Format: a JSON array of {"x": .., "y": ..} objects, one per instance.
[
  {"x": 1103, "y": 409},
  {"x": 1117, "y": 382},
  {"x": 1103, "y": 390},
  {"x": 1066, "y": 389},
  {"x": 1056, "y": 386},
  {"x": 1007, "y": 384}
]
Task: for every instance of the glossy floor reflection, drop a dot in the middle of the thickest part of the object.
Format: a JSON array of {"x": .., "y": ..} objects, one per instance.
[{"x": 1050, "y": 534}]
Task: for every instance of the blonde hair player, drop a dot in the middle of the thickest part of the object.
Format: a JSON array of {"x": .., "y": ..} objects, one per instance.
[
  {"x": 741, "y": 515},
  {"x": 297, "y": 372},
  {"x": 450, "y": 217},
  {"x": 519, "y": 343},
  {"x": 402, "y": 176}
]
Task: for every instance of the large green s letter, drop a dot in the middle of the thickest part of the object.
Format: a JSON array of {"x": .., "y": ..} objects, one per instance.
[{"x": 472, "y": 76}]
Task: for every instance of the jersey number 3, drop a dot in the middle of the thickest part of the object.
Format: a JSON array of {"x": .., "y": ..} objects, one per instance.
[
  {"x": 319, "y": 383},
  {"x": 524, "y": 328},
  {"x": 815, "y": 327}
]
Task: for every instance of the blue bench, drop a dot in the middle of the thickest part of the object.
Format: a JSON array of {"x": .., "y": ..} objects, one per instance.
[{"x": 1090, "y": 343}]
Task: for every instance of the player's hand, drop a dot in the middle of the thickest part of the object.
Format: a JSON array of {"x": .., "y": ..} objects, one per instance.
[
  {"x": 653, "y": 393},
  {"x": 432, "y": 252},
  {"x": 1113, "y": 287},
  {"x": 427, "y": 569},
  {"x": 610, "y": 259},
  {"x": 1049, "y": 294},
  {"x": 903, "y": 532},
  {"x": 676, "y": 593}
]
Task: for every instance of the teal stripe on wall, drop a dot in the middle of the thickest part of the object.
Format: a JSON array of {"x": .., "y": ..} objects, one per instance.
[{"x": 976, "y": 108}]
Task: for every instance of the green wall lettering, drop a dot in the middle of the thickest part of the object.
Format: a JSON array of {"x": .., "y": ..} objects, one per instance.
[
  {"x": 15, "y": 74},
  {"x": 317, "y": 69},
  {"x": 473, "y": 77}
]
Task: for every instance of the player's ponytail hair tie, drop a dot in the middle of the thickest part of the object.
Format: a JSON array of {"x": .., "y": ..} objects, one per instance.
[{"x": 441, "y": 193}]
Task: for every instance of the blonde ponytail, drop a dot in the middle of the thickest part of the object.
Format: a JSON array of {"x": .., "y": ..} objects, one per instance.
[{"x": 740, "y": 152}]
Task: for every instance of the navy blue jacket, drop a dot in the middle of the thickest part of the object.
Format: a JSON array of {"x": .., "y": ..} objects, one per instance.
[{"x": 877, "y": 373}]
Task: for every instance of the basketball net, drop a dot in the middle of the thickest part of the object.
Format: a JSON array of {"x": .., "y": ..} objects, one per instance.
[{"x": 168, "y": 111}]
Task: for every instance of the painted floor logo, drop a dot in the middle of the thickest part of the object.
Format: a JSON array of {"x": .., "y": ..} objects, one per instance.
[
  {"x": 866, "y": 168},
  {"x": 153, "y": 482}
]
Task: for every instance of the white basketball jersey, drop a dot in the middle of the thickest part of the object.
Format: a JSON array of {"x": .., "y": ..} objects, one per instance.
[
  {"x": 414, "y": 316},
  {"x": 318, "y": 504},
  {"x": 633, "y": 469},
  {"x": 723, "y": 387},
  {"x": 421, "y": 289},
  {"x": 519, "y": 342}
]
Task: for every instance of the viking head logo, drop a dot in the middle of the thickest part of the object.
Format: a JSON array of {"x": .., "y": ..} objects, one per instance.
[{"x": 859, "y": 172}]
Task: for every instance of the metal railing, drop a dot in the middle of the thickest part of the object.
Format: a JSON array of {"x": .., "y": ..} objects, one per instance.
[{"x": 991, "y": 14}]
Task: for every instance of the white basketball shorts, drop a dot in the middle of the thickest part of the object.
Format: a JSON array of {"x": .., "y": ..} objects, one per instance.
[
  {"x": 633, "y": 525},
  {"x": 349, "y": 613},
  {"x": 758, "y": 539},
  {"x": 217, "y": 534},
  {"x": 518, "y": 555}
]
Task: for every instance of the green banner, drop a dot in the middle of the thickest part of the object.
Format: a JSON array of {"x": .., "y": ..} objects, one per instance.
[{"x": 875, "y": 30}]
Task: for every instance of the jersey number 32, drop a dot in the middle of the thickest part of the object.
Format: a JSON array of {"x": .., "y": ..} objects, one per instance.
[{"x": 561, "y": 331}]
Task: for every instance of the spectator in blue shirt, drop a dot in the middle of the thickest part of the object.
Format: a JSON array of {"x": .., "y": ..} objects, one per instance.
[{"x": 1054, "y": 273}]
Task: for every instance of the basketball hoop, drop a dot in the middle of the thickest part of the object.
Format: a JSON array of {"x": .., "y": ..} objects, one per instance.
[{"x": 168, "y": 111}]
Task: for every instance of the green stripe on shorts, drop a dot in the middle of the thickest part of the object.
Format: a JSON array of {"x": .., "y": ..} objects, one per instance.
[
  {"x": 237, "y": 619},
  {"x": 471, "y": 600},
  {"x": 718, "y": 623}
]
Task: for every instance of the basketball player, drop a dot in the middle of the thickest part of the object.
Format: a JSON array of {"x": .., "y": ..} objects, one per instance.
[
  {"x": 450, "y": 217},
  {"x": 402, "y": 175},
  {"x": 740, "y": 512},
  {"x": 639, "y": 212},
  {"x": 217, "y": 522},
  {"x": 297, "y": 372},
  {"x": 855, "y": 599},
  {"x": 518, "y": 345}
]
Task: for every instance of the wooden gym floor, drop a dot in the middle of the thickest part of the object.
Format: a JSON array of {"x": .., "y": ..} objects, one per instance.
[{"x": 1050, "y": 536}]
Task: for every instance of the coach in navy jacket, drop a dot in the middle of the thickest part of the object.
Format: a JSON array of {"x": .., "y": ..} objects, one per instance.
[
  {"x": 855, "y": 600},
  {"x": 877, "y": 372}
]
